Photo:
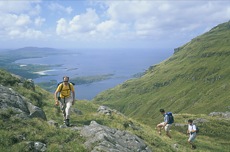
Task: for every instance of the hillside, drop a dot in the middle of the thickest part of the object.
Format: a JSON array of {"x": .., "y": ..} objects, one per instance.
[
  {"x": 91, "y": 130},
  {"x": 194, "y": 80},
  {"x": 101, "y": 132}
]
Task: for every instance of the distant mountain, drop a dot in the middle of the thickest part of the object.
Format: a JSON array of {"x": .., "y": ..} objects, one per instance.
[
  {"x": 31, "y": 48},
  {"x": 11, "y": 55},
  {"x": 29, "y": 52},
  {"x": 196, "y": 80},
  {"x": 8, "y": 57}
]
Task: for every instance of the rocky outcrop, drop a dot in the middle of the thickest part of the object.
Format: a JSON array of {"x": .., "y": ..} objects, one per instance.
[
  {"x": 225, "y": 115},
  {"x": 104, "y": 110},
  {"x": 21, "y": 107},
  {"x": 35, "y": 111},
  {"x": 107, "y": 111},
  {"x": 35, "y": 146},
  {"x": 101, "y": 138},
  {"x": 200, "y": 121}
]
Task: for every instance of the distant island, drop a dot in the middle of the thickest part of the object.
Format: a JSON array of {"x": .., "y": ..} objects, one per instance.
[
  {"x": 52, "y": 84},
  {"x": 32, "y": 71}
]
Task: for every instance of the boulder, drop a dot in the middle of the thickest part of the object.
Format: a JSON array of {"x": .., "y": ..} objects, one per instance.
[
  {"x": 35, "y": 111},
  {"x": 221, "y": 114},
  {"x": 102, "y": 138},
  {"x": 200, "y": 121},
  {"x": 36, "y": 146},
  {"x": 107, "y": 111},
  {"x": 104, "y": 110},
  {"x": 10, "y": 99}
]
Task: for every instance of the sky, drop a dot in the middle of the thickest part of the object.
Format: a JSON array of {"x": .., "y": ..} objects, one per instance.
[{"x": 107, "y": 23}]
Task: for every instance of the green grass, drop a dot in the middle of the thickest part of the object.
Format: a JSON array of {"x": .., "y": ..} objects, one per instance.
[
  {"x": 210, "y": 137},
  {"x": 194, "y": 78},
  {"x": 37, "y": 130}
]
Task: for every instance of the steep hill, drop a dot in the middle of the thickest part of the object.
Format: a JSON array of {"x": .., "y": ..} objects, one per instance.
[
  {"x": 25, "y": 127},
  {"x": 195, "y": 80},
  {"x": 92, "y": 129}
]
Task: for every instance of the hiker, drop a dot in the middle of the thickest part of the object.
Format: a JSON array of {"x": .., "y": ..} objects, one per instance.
[
  {"x": 192, "y": 133},
  {"x": 65, "y": 97},
  {"x": 166, "y": 124}
]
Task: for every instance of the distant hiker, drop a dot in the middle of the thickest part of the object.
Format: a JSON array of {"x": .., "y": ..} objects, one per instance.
[
  {"x": 65, "y": 97},
  {"x": 168, "y": 120},
  {"x": 192, "y": 133}
]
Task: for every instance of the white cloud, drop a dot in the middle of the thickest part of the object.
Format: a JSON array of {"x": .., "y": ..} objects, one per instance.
[
  {"x": 159, "y": 18},
  {"x": 124, "y": 11},
  {"x": 22, "y": 20},
  {"x": 39, "y": 21},
  {"x": 61, "y": 26},
  {"x": 16, "y": 7},
  {"x": 18, "y": 26},
  {"x": 12, "y": 20},
  {"x": 19, "y": 19},
  {"x": 29, "y": 34},
  {"x": 83, "y": 23},
  {"x": 142, "y": 20},
  {"x": 55, "y": 7},
  {"x": 126, "y": 21},
  {"x": 106, "y": 26}
]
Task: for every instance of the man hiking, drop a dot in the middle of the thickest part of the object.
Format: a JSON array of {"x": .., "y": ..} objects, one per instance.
[
  {"x": 192, "y": 129},
  {"x": 168, "y": 120},
  {"x": 65, "y": 97}
]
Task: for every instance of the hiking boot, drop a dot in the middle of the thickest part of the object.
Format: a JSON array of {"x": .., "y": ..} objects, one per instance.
[
  {"x": 193, "y": 147},
  {"x": 67, "y": 122},
  {"x": 62, "y": 108},
  {"x": 64, "y": 115}
]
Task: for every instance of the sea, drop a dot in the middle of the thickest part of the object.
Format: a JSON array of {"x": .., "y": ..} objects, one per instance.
[{"x": 123, "y": 64}]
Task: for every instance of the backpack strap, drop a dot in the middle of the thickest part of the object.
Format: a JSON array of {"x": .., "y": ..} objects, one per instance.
[
  {"x": 62, "y": 86},
  {"x": 69, "y": 86}
]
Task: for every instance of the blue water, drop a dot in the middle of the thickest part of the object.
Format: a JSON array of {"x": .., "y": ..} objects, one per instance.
[{"x": 122, "y": 63}]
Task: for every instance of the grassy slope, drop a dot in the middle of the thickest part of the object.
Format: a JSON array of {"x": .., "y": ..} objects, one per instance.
[
  {"x": 194, "y": 80},
  {"x": 193, "y": 83},
  {"x": 66, "y": 140}
]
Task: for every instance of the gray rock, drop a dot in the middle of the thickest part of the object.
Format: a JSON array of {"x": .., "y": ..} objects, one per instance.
[
  {"x": 21, "y": 107},
  {"x": 175, "y": 146},
  {"x": 180, "y": 125},
  {"x": 36, "y": 111},
  {"x": 40, "y": 146},
  {"x": 53, "y": 123},
  {"x": 75, "y": 128},
  {"x": 104, "y": 110},
  {"x": 107, "y": 111},
  {"x": 200, "y": 120},
  {"x": 10, "y": 99},
  {"x": 220, "y": 114},
  {"x": 102, "y": 138},
  {"x": 36, "y": 146}
]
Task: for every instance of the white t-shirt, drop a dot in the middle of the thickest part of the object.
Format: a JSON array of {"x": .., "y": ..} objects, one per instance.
[
  {"x": 166, "y": 118},
  {"x": 191, "y": 127}
]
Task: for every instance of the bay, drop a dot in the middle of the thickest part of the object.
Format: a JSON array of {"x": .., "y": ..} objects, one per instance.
[{"x": 123, "y": 64}]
